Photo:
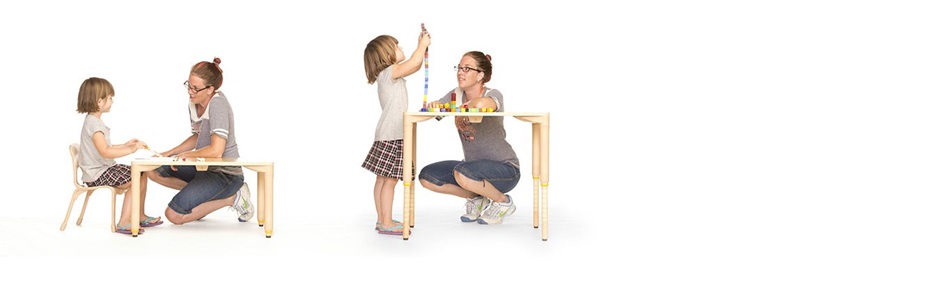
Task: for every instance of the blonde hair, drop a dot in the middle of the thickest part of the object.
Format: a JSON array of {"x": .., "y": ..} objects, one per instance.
[
  {"x": 210, "y": 72},
  {"x": 90, "y": 92},
  {"x": 379, "y": 54}
]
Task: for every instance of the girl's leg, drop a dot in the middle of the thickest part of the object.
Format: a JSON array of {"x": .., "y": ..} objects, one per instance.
[
  {"x": 386, "y": 201},
  {"x": 377, "y": 192},
  {"x": 125, "y": 217},
  {"x": 144, "y": 187}
]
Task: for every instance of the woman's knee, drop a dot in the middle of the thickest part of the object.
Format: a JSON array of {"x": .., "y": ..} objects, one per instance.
[{"x": 173, "y": 216}]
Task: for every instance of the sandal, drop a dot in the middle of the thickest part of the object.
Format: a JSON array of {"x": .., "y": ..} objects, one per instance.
[
  {"x": 391, "y": 230},
  {"x": 151, "y": 221},
  {"x": 394, "y": 221},
  {"x": 127, "y": 229}
]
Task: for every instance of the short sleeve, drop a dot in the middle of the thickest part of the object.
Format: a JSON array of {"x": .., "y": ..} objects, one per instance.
[
  {"x": 499, "y": 99},
  {"x": 195, "y": 125},
  {"x": 220, "y": 115},
  {"x": 92, "y": 127}
]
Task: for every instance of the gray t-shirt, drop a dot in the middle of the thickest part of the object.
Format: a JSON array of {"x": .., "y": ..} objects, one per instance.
[
  {"x": 394, "y": 101},
  {"x": 90, "y": 161},
  {"x": 489, "y": 143},
  {"x": 218, "y": 119}
]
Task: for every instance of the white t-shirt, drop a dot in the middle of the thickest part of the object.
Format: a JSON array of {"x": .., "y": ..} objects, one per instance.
[
  {"x": 90, "y": 161},
  {"x": 394, "y": 101}
]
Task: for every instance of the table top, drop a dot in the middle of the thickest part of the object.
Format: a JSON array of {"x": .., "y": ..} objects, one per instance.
[
  {"x": 477, "y": 113},
  {"x": 200, "y": 161}
]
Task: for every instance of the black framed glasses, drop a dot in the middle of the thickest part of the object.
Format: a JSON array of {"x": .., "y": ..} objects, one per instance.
[
  {"x": 466, "y": 69},
  {"x": 194, "y": 89}
]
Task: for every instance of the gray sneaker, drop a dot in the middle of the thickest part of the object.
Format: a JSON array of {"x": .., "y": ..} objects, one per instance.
[
  {"x": 496, "y": 212},
  {"x": 474, "y": 207},
  {"x": 242, "y": 204}
]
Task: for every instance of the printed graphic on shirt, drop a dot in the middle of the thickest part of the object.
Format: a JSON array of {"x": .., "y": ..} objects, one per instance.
[{"x": 466, "y": 129}]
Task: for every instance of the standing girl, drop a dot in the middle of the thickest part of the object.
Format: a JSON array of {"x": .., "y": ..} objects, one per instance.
[
  {"x": 386, "y": 65},
  {"x": 97, "y": 154}
]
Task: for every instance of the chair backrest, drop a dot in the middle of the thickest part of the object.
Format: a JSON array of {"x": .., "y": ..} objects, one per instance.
[{"x": 74, "y": 154}]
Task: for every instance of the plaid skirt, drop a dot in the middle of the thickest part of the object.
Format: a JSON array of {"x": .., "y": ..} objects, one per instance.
[
  {"x": 114, "y": 176},
  {"x": 385, "y": 159}
]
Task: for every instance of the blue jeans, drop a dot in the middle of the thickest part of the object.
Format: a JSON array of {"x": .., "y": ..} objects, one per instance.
[
  {"x": 502, "y": 175},
  {"x": 203, "y": 186}
]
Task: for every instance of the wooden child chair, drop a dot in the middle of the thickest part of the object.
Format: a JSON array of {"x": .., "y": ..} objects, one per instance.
[{"x": 82, "y": 188}]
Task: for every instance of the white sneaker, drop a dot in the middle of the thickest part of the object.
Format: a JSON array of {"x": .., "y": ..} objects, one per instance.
[
  {"x": 243, "y": 205},
  {"x": 496, "y": 212},
  {"x": 474, "y": 207}
]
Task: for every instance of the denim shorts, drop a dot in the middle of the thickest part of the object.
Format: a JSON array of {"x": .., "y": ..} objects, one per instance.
[
  {"x": 203, "y": 186},
  {"x": 502, "y": 175}
]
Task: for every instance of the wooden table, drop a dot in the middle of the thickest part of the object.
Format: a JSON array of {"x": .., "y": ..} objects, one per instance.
[
  {"x": 265, "y": 185},
  {"x": 540, "y": 123}
]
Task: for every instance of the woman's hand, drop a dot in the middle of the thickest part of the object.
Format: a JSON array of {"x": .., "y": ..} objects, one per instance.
[
  {"x": 179, "y": 157},
  {"x": 482, "y": 102}
]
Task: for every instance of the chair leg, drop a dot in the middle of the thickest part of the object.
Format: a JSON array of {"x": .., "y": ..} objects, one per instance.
[
  {"x": 70, "y": 209},
  {"x": 84, "y": 203}
]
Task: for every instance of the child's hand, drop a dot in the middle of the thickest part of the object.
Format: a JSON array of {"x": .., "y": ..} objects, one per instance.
[
  {"x": 424, "y": 39},
  {"x": 135, "y": 144},
  {"x": 433, "y": 104}
]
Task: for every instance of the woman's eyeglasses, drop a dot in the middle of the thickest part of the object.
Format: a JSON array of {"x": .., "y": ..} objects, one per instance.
[
  {"x": 194, "y": 89},
  {"x": 466, "y": 69}
]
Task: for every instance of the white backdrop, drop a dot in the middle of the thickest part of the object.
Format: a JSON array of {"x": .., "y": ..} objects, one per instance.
[
  {"x": 799, "y": 139},
  {"x": 294, "y": 76}
]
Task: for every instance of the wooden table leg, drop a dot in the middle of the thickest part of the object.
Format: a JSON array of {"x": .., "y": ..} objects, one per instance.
[
  {"x": 535, "y": 166},
  {"x": 408, "y": 147},
  {"x": 269, "y": 202},
  {"x": 545, "y": 141},
  {"x": 261, "y": 195},
  {"x": 412, "y": 188},
  {"x": 136, "y": 191}
]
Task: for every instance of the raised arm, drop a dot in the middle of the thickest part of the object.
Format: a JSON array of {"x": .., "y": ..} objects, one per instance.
[{"x": 414, "y": 62}]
